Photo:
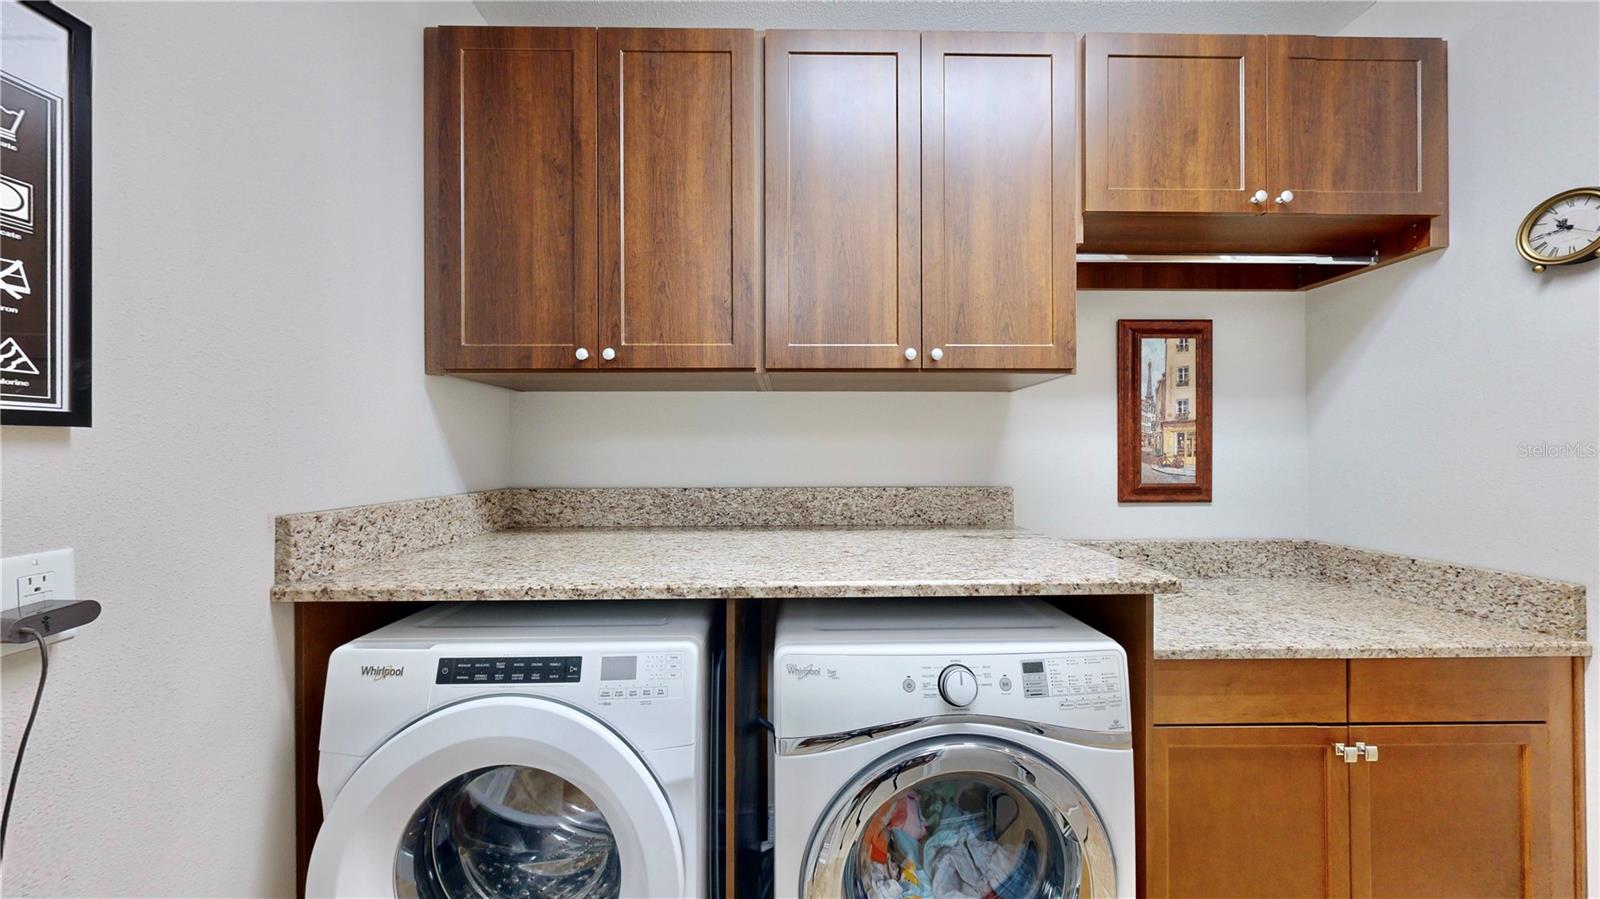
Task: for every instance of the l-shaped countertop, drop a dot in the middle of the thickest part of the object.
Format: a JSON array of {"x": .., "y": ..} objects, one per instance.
[{"x": 1213, "y": 598}]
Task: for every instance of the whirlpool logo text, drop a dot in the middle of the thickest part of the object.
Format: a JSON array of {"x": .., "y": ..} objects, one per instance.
[{"x": 382, "y": 672}]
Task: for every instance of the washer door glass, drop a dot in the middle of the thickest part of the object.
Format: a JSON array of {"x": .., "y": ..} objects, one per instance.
[
  {"x": 511, "y": 832},
  {"x": 959, "y": 817},
  {"x": 962, "y": 836}
]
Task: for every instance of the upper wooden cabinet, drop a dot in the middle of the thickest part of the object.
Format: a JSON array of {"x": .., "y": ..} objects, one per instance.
[
  {"x": 1356, "y": 126},
  {"x": 1174, "y": 122},
  {"x": 999, "y": 191},
  {"x": 510, "y": 197},
  {"x": 1256, "y": 124},
  {"x": 678, "y": 198},
  {"x": 595, "y": 197},
  {"x": 844, "y": 195}
]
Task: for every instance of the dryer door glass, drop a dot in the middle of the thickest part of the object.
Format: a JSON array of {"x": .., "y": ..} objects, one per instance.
[
  {"x": 959, "y": 817},
  {"x": 508, "y": 831}
]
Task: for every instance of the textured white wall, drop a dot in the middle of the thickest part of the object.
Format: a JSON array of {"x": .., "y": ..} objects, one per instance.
[
  {"x": 1428, "y": 381},
  {"x": 258, "y": 350},
  {"x": 1055, "y": 442}
]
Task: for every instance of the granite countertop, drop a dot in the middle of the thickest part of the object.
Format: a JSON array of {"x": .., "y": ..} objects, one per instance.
[
  {"x": 1237, "y": 598},
  {"x": 1302, "y": 618},
  {"x": 1298, "y": 599},
  {"x": 643, "y": 563}
]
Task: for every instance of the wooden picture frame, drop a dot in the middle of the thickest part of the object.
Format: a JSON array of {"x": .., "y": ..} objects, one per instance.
[{"x": 1164, "y": 418}]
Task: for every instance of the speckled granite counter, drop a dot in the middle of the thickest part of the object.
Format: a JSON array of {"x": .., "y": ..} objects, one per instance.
[
  {"x": 1238, "y": 598},
  {"x": 715, "y": 563},
  {"x": 1257, "y": 599},
  {"x": 693, "y": 543}
]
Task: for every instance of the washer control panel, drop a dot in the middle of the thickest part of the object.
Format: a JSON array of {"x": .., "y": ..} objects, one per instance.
[
  {"x": 641, "y": 677},
  {"x": 836, "y": 692}
]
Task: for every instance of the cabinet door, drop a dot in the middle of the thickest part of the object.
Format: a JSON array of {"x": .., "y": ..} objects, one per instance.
[
  {"x": 1358, "y": 125},
  {"x": 510, "y": 196},
  {"x": 998, "y": 201},
  {"x": 678, "y": 201},
  {"x": 844, "y": 157},
  {"x": 1243, "y": 812},
  {"x": 1451, "y": 811},
  {"x": 1174, "y": 122}
]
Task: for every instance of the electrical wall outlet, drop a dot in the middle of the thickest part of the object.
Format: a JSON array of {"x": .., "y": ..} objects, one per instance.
[{"x": 37, "y": 577}]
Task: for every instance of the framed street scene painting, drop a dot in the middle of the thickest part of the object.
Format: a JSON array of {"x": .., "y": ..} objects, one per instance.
[
  {"x": 1163, "y": 411},
  {"x": 44, "y": 216}
]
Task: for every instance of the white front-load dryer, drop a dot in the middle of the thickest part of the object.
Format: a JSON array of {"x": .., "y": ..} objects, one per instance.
[
  {"x": 944, "y": 748},
  {"x": 517, "y": 750}
]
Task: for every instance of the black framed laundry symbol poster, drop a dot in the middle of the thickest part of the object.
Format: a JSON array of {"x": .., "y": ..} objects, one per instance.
[{"x": 44, "y": 216}]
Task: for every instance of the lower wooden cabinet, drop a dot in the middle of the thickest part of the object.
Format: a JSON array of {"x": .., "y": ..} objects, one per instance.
[
  {"x": 1402, "y": 807},
  {"x": 1247, "y": 812},
  {"x": 1451, "y": 811}
]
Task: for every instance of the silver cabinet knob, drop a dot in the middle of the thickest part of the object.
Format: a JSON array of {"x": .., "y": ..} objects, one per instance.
[
  {"x": 911, "y": 353},
  {"x": 582, "y": 354},
  {"x": 1259, "y": 197},
  {"x": 1348, "y": 754},
  {"x": 1285, "y": 198},
  {"x": 936, "y": 354},
  {"x": 608, "y": 354}
]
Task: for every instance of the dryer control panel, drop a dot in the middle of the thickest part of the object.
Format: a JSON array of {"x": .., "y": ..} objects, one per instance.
[
  {"x": 641, "y": 677},
  {"x": 510, "y": 670}
]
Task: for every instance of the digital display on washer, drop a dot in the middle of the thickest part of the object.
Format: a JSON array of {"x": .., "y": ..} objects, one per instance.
[
  {"x": 619, "y": 667},
  {"x": 1032, "y": 667},
  {"x": 510, "y": 670}
]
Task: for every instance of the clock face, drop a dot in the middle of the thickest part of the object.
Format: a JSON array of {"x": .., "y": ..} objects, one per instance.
[{"x": 1564, "y": 227}]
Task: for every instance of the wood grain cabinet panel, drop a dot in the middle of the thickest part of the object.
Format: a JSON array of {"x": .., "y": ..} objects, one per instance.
[
  {"x": 1242, "y": 812},
  {"x": 1174, "y": 122},
  {"x": 843, "y": 200},
  {"x": 678, "y": 202},
  {"x": 999, "y": 188},
  {"x": 1451, "y": 812},
  {"x": 510, "y": 196},
  {"x": 1358, "y": 125}
]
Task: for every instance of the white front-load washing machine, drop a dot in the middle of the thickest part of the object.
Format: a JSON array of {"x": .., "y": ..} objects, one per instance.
[
  {"x": 517, "y": 750},
  {"x": 949, "y": 748}
]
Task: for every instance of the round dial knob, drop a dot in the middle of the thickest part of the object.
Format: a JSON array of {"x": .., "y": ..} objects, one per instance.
[{"x": 957, "y": 685}]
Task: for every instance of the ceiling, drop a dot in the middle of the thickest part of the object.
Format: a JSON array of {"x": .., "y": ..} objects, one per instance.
[{"x": 1206, "y": 16}]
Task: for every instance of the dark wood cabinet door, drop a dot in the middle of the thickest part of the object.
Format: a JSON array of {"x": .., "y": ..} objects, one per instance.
[
  {"x": 999, "y": 190},
  {"x": 1452, "y": 811},
  {"x": 1242, "y": 812},
  {"x": 510, "y": 195},
  {"x": 1358, "y": 126},
  {"x": 678, "y": 199},
  {"x": 843, "y": 201},
  {"x": 1174, "y": 122}
]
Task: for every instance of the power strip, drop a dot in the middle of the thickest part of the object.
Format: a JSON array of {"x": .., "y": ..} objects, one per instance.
[{"x": 46, "y": 618}]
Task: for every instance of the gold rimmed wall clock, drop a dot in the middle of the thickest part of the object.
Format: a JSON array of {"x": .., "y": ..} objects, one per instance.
[{"x": 1563, "y": 230}]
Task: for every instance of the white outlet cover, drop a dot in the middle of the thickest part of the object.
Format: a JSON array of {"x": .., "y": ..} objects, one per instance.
[{"x": 34, "y": 577}]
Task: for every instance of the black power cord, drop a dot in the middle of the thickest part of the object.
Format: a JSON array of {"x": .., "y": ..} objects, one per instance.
[{"x": 16, "y": 766}]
